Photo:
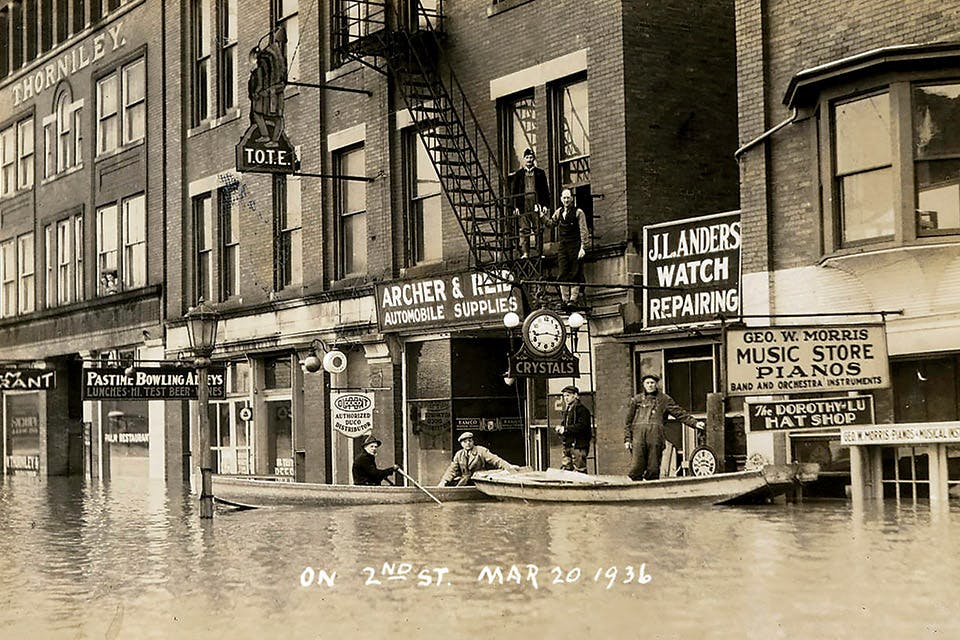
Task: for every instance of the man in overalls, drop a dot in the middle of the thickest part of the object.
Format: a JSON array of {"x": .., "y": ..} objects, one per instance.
[{"x": 643, "y": 431}]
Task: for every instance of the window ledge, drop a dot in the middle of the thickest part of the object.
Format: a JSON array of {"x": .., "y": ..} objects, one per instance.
[
  {"x": 504, "y": 5},
  {"x": 106, "y": 155},
  {"x": 213, "y": 123},
  {"x": 61, "y": 174},
  {"x": 16, "y": 195},
  {"x": 852, "y": 254}
]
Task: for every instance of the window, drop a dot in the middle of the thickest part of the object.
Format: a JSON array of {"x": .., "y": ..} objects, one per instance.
[
  {"x": 25, "y": 265},
  {"x": 518, "y": 129},
  {"x": 63, "y": 20},
  {"x": 121, "y": 107},
  {"x": 288, "y": 259},
  {"x": 121, "y": 246},
  {"x": 936, "y": 148},
  {"x": 4, "y": 35},
  {"x": 78, "y": 257},
  {"x": 16, "y": 157},
  {"x": 200, "y": 14},
  {"x": 572, "y": 135},
  {"x": 864, "y": 174},
  {"x": 50, "y": 274},
  {"x": 134, "y": 238},
  {"x": 203, "y": 242},
  {"x": 286, "y": 14},
  {"x": 32, "y": 29},
  {"x": 425, "y": 220},
  {"x": 61, "y": 136},
  {"x": 66, "y": 264},
  {"x": 79, "y": 21},
  {"x": 227, "y": 56},
  {"x": 16, "y": 46},
  {"x": 351, "y": 212},
  {"x": 229, "y": 244},
  {"x": 8, "y": 279}
]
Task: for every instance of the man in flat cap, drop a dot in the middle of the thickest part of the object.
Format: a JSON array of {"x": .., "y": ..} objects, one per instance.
[
  {"x": 575, "y": 430},
  {"x": 643, "y": 431},
  {"x": 365, "y": 469},
  {"x": 531, "y": 201},
  {"x": 470, "y": 459}
]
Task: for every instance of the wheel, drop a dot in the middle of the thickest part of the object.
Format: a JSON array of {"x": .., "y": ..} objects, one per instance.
[{"x": 703, "y": 461}]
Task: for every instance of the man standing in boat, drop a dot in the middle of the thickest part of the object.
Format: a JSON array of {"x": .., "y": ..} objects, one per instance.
[
  {"x": 575, "y": 430},
  {"x": 643, "y": 431},
  {"x": 470, "y": 459},
  {"x": 365, "y": 469}
]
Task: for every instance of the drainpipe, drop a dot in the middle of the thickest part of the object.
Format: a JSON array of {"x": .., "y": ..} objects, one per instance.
[{"x": 766, "y": 134}]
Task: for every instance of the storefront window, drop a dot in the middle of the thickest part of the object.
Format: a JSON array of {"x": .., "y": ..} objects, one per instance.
[
  {"x": 22, "y": 427},
  {"x": 126, "y": 439}
]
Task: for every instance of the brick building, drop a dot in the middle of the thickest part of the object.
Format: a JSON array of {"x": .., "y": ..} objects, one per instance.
[
  {"x": 850, "y": 204},
  {"x": 82, "y": 229},
  {"x": 631, "y": 107}
]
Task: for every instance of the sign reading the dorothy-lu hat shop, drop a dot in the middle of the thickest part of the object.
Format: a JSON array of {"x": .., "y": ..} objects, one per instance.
[
  {"x": 154, "y": 383},
  {"x": 692, "y": 270},
  {"x": 806, "y": 359},
  {"x": 810, "y": 413},
  {"x": 468, "y": 298},
  {"x": 27, "y": 379},
  {"x": 351, "y": 412}
]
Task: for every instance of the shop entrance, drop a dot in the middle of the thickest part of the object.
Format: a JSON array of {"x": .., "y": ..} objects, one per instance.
[{"x": 21, "y": 433}]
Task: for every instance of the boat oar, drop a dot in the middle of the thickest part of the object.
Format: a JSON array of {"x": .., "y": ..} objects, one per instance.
[{"x": 417, "y": 485}]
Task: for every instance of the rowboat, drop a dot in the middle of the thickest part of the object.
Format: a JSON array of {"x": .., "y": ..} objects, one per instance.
[
  {"x": 253, "y": 492},
  {"x": 757, "y": 486}
]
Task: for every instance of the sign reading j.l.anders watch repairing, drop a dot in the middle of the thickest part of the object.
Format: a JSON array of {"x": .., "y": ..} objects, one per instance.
[{"x": 806, "y": 359}]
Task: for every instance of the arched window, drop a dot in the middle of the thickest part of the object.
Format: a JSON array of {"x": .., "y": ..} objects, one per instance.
[{"x": 61, "y": 134}]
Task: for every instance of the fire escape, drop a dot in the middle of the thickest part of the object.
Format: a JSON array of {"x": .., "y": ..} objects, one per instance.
[{"x": 403, "y": 38}]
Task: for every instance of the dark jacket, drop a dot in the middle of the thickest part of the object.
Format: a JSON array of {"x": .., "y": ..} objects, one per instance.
[
  {"x": 577, "y": 430},
  {"x": 518, "y": 187},
  {"x": 365, "y": 470},
  {"x": 648, "y": 410}
]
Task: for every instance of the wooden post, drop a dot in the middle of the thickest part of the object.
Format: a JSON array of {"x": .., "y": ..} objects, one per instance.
[
  {"x": 206, "y": 470},
  {"x": 715, "y": 428}
]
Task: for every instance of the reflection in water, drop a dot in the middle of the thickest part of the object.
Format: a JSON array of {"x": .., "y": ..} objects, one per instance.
[{"x": 133, "y": 560}]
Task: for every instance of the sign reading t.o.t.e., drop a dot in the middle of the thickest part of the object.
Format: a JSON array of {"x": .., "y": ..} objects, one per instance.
[
  {"x": 806, "y": 359},
  {"x": 351, "y": 413}
]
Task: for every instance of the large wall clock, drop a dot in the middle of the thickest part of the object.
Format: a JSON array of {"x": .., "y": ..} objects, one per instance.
[{"x": 544, "y": 333}]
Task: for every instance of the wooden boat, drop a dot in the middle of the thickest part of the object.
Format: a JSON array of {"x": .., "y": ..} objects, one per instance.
[
  {"x": 252, "y": 492},
  {"x": 756, "y": 486}
]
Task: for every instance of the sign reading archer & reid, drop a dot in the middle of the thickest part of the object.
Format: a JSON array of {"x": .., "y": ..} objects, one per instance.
[
  {"x": 806, "y": 359},
  {"x": 153, "y": 383}
]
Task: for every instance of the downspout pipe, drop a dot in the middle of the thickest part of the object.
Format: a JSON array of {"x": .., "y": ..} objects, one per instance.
[{"x": 766, "y": 134}]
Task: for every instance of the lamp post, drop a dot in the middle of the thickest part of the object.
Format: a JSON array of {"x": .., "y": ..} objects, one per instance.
[{"x": 202, "y": 322}]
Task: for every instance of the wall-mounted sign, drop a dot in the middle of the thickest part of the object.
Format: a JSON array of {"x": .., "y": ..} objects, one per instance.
[
  {"x": 812, "y": 413},
  {"x": 806, "y": 359},
  {"x": 469, "y": 298},
  {"x": 27, "y": 379},
  {"x": 700, "y": 257},
  {"x": 154, "y": 383},
  {"x": 351, "y": 413},
  {"x": 523, "y": 364},
  {"x": 913, "y": 433},
  {"x": 504, "y": 423}
]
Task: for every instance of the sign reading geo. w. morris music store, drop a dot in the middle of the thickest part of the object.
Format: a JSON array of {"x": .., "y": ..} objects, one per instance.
[
  {"x": 806, "y": 359},
  {"x": 466, "y": 298},
  {"x": 692, "y": 270}
]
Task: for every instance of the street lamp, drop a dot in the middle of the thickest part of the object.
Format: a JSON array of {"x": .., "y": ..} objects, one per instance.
[{"x": 202, "y": 322}]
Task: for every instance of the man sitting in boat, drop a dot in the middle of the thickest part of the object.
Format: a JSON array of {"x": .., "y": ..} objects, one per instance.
[
  {"x": 643, "y": 431},
  {"x": 574, "y": 430},
  {"x": 469, "y": 460},
  {"x": 365, "y": 469}
]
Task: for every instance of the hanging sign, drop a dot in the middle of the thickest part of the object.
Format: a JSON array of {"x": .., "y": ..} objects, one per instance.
[
  {"x": 351, "y": 413},
  {"x": 154, "y": 383},
  {"x": 467, "y": 298},
  {"x": 810, "y": 413},
  {"x": 699, "y": 258},
  {"x": 524, "y": 364},
  {"x": 806, "y": 359},
  {"x": 27, "y": 379}
]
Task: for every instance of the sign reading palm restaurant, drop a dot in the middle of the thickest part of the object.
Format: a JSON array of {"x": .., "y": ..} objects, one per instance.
[
  {"x": 458, "y": 299},
  {"x": 692, "y": 270},
  {"x": 806, "y": 359},
  {"x": 150, "y": 383}
]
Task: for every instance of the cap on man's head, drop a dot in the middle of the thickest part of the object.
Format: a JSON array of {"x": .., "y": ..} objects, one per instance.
[
  {"x": 652, "y": 376},
  {"x": 570, "y": 389},
  {"x": 464, "y": 436},
  {"x": 371, "y": 439},
  {"x": 529, "y": 152}
]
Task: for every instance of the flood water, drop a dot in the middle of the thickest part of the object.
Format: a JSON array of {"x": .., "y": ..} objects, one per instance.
[{"x": 128, "y": 560}]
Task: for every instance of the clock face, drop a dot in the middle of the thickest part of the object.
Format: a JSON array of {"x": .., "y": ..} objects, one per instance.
[{"x": 543, "y": 333}]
